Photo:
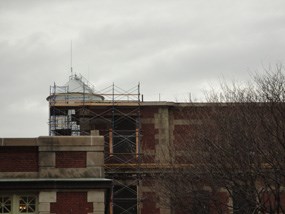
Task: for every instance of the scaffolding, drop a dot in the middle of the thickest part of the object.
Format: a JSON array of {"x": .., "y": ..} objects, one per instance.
[{"x": 115, "y": 112}]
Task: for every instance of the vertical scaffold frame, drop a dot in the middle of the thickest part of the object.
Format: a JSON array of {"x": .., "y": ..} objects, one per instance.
[{"x": 117, "y": 118}]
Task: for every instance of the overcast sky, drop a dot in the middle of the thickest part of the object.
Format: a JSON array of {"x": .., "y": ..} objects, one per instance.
[{"x": 171, "y": 47}]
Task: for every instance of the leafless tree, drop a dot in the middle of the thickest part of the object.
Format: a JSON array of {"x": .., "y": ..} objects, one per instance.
[{"x": 233, "y": 157}]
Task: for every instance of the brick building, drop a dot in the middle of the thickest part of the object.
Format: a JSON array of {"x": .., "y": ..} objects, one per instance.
[
  {"x": 53, "y": 175},
  {"x": 103, "y": 147},
  {"x": 137, "y": 135}
]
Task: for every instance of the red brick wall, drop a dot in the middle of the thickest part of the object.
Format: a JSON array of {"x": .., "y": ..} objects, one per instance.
[
  {"x": 19, "y": 159},
  {"x": 148, "y": 112},
  {"x": 149, "y": 204},
  {"x": 270, "y": 202},
  {"x": 219, "y": 203},
  {"x": 148, "y": 131},
  {"x": 148, "y": 136},
  {"x": 70, "y": 159},
  {"x": 194, "y": 112},
  {"x": 181, "y": 133},
  {"x": 71, "y": 202}
]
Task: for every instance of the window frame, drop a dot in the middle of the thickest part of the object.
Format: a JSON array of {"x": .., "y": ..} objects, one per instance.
[{"x": 15, "y": 199}]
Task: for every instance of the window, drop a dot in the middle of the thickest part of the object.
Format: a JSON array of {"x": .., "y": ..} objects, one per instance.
[
  {"x": 5, "y": 204},
  {"x": 12, "y": 203},
  {"x": 27, "y": 204}
]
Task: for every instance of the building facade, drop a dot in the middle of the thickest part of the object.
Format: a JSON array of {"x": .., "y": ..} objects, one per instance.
[
  {"x": 53, "y": 175},
  {"x": 138, "y": 136},
  {"x": 142, "y": 139},
  {"x": 105, "y": 151}
]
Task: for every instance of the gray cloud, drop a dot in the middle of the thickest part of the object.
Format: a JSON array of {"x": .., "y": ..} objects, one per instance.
[{"x": 171, "y": 47}]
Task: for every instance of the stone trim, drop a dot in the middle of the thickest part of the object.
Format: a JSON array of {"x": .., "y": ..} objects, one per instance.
[
  {"x": 97, "y": 197},
  {"x": 45, "y": 199}
]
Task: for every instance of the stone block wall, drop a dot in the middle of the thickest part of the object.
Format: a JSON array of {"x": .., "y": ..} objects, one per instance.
[{"x": 65, "y": 173}]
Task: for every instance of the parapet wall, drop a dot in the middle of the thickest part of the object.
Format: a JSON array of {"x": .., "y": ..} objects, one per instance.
[{"x": 52, "y": 157}]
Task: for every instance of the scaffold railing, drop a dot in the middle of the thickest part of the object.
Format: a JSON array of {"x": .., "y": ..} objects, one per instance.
[{"x": 117, "y": 117}]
